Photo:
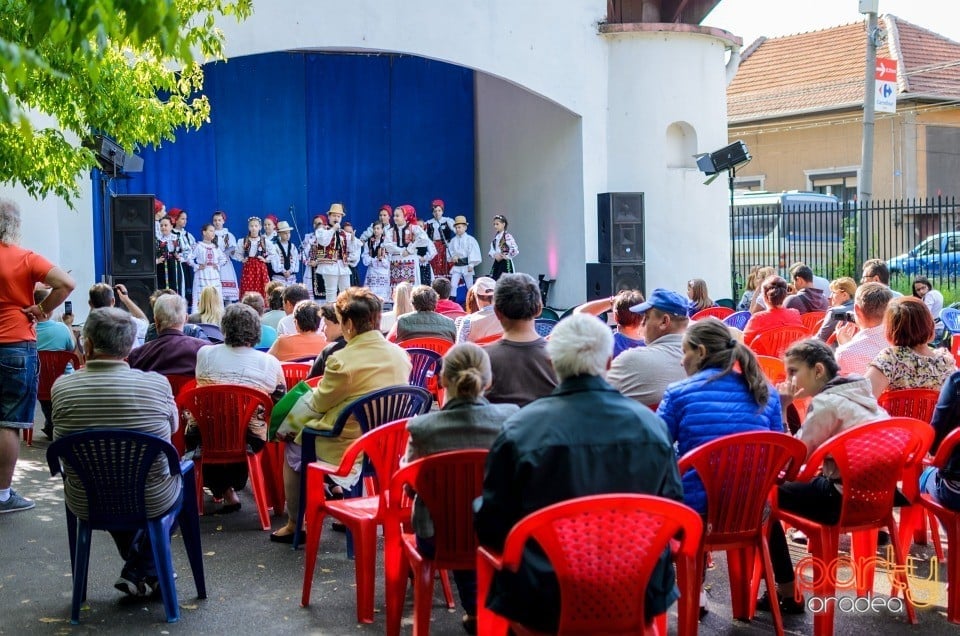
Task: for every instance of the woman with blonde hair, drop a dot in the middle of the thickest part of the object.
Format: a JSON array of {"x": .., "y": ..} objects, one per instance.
[
  {"x": 402, "y": 304},
  {"x": 209, "y": 309},
  {"x": 757, "y": 302},
  {"x": 699, "y": 298}
]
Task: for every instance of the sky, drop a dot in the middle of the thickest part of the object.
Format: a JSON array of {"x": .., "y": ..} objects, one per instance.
[{"x": 751, "y": 19}]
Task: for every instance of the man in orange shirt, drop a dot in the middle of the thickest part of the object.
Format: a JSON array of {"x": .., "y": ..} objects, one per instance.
[
  {"x": 20, "y": 271},
  {"x": 308, "y": 341}
]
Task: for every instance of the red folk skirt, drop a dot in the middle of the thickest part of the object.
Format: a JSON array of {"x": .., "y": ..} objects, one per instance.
[
  {"x": 254, "y": 277},
  {"x": 441, "y": 267}
]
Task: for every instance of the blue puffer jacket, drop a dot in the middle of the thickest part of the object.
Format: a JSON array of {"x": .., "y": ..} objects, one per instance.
[{"x": 704, "y": 407}]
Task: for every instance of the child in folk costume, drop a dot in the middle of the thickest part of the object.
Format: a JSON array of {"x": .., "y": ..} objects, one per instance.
[
  {"x": 187, "y": 243},
  {"x": 270, "y": 233},
  {"x": 403, "y": 239},
  {"x": 286, "y": 256},
  {"x": 159, "y": 211},
  {"x": 354, "y": 250},
  {"x": 463, "y": 253},
  {"x": 440, "y": 230},
  {"x": 426, "y": 254},
  {"x": 209, "y": 260},
  {"x": 310, "y": 253},
  {"x": 334, "y": 251},
  {"x": 377, "y": 260},
  {"x": 255, "y": 252},
  {"x": 169, "y": 257},
  {"x": 384, "y": 218},
  {"x": 503, "y": 248},
  {"x": 227, "y": 242}
]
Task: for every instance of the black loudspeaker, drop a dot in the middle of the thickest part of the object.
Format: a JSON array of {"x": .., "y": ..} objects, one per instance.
[
  {"x": 139, "y": 289},
  {"x": 620, "y": 227},
  {"x": 132, "y": 235},
  {"x": 606, "y": 279}
]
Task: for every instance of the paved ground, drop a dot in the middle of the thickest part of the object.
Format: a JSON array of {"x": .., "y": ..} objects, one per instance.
[{"x": 254, "y": 586}]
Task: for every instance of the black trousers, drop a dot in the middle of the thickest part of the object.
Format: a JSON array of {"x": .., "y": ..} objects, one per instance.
[{"x": 817, "y": 500}]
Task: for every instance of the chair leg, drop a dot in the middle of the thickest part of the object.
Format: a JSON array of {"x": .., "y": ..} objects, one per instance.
[
  {"x": 901, "y": 577},
  {"x": 198, "y": 472},
  {"x": 771, "y": 585},
  {"x": 863, "y": 555},
  {"x": 80, "y": 566},
  {"x": 952, "y": 527},
  {"x": 395, "y": 573},
  {"x": 935, "y": 531},
  {"x": 190, "y": 530},
  {"x": 489, "y": 623},
  {"x": 740, "y": 563},
  {"x": 422, "y": 598},
  {"x": 255, "y": 468},
  {"x": 365, "y": 569},
  {"x": 314, "y": 520},
  {"x": 447, "y": 592},
  {"x": 159, "y": 531},
  {"x": 825, "y": 547}
]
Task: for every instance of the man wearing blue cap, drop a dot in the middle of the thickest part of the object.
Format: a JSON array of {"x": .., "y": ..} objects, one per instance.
[{"x": 643, "y": 373}]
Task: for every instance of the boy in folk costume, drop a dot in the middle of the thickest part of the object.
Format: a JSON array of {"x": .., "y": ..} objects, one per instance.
[
  {"x": 286, "y": 256},
  {"x": 227, "y": 242},
  {"x": 403, "y": 239},
  {"x": 255, "y": 252},
  {"x": 440, "y": 230},
  {"x": 463, "y": 252},
  {"x": 334, "y": 252},
  {"x": 310, "y": 253},
  {"x": 426, "y": 255},
  {"x": 503, "y": 248},
  {"x": 209, "y": 260},
  {"x": 169, "y": 257},
  {"x": 384, "y": 218}
]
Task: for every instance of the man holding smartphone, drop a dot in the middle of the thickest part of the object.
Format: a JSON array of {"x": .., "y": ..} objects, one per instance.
[{"x": 102, "y": 295}]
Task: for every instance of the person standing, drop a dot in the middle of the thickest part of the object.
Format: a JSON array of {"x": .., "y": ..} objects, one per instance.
[
  {"x": 187, "y": 243},
  {"x": 403, "y": 238},
  {"x": 286, "y": 257},
  {"x": 227, "y": 242},
  {"x": 377, "y": 262},
  {"x": 440, "y": 230},
  {"x": 354, "y": 250},
  {"x": 20, "y": 271},
  {"x": 503, "y": 248},
  {"x": 334, "y": 252},
  {"x": 310, "y": 250},
  {"x": 255, "y": 252},
  {"x": 463, "y": 252},
  {"x": 169, "y": 258},
  {"x": 209, "y": 261},
  {"x": 426, "y": 254}
]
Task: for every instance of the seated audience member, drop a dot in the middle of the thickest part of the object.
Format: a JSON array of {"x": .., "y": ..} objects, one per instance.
[
  {"x": 292, "y": 294},
  {"x": 402, "y": 305},
  {"x": 944, "y": 485},
  {"x": 838, "y": 404},
  {"x": 842, "y": 292},
  {"x": 756, "y": 299},
  {"x": 274, "y": 292},
  {"x": 173, "y": 352},
  {"x": 876, "y": 271},
  {"x": 643, "y": 373},
  {"x": 749, "y": 290},
  {"x": 546, "y": 454},
  {"x": 308, "y": 341},
  {"x": 366, "y": 364},
  {"x": 209, "y": 314},
  {"x": 470, "y": 300},
  {"x": 698, "y": 295},
  {"x": 102, "y": 295},
  {"x": 334, "y": 336},
  {"x": 467, "y": 420},
  {"x": 910, "y": 363},
  {"x": 776, "y": 315},
  {"x": 860, "y": 343},
  {"x": 191, "y": 330},
  {"x": 933, "y": 299},
  {"x": 268, "y": 335},
  {"x": 236, "y": 362},
  {"x": 808, "y": 298},
  {"x": 629, "y": 333},
  {"x": 482, "y": 323},
  {"x": 423, "y": 321},
  {"x": 522, "y": 371},
  {"x": 52, "y": 335},
  {"x": 99, "y": 396},
  {"x": 441, "y": 285}
]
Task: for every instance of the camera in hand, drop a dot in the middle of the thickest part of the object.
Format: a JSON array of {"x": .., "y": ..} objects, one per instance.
[
  {"x": 844, "y": 315},
  {"x": 67, "y": 308}
]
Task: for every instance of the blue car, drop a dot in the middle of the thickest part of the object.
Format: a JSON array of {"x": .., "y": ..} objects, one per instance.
[{"x": 938, "y": 255}]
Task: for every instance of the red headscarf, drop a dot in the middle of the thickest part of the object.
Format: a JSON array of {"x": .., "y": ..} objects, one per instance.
[
  {"x": 157, "y": 205},
  {"x": 437, "y": 202},
  {"x": 173, "y": 213},
  {"x": 410, "y": 214},
  {"x": 272, "y": 217}
]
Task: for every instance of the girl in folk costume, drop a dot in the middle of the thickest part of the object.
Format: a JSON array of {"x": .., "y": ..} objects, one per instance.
[
  {"x": 255, "y": 252},
  {"x": 209, "y": 260},
  {"x": 426, "y": 254},
  {"x": 159, "y": 211},
  {"x": 440, "y": 230},
  {"x": 227, "y": 242},
  {"x": 354, "y": 250},
  {"x": 463, "y": 253},
  {"x": 403, "y": 239},
  {"x": 384, "y": 218},
  {"x": 310, "y": 251},
  {"x": 286, "y": 256},
  {"x": 270, "y": 233},
  {"x": 169, "y": 257},
  {"x": 503, "y": 248},
  {"x": 187, "y": 243},
  {"x": 377, "y": 260},
  {"x": 334, "y": 252}
]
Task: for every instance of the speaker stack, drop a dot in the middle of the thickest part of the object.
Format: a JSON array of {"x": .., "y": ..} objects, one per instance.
[
  {"x": 620, "y": 245},
  {"x": 132, "y": 247}
]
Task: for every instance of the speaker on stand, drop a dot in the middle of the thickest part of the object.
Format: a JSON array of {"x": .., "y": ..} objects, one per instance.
[
  {"x": 132, "y": 246},
  {"x": 620, "y": 245}
]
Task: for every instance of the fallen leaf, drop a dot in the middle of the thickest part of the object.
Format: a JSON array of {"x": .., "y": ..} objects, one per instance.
[
  {"x": 261, "y": 566},
  {"x": 189, "y": 607},
  {"x": 209, "y": 553},
  {"x": 46, "y": 619}
]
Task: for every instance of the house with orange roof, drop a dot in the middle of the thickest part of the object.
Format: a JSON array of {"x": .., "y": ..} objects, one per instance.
[{"x": 797, "y": 102}]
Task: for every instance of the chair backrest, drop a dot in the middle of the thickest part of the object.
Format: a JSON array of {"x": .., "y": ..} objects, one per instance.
[
  {"x": 440, "y": 345},
  {"x": 716, "y": 312},
  {"x": 113, "y": 467},
  {"x": 812, "y": 321},
  {"x": 447, "y": 484},
  {"x": 603, "y": 549},
  {"x": 385, "y": 405},
  {"x": 314, "y": 381},
  {"x": 946, "y": 449},
  {"x": 772, "y": 368},
  {"x": 550, "y": 314},
  {"x": 738, "y": 319},
  {"x": 425, "y": 370},
  {"x": 222, "y": 413},
  {"x": 52, "y": 365},
  {"x": 738, "y": 471},
  {"x": 916, "y": 403},
  {"x": 774, "y": 342},
  {"x": 212, "y": 331},
  {"x": 544, "y": 326},
  {"x": 382, "y": 449},
  {"x": 305, "y": 359},
  {"x": 488, "y": 339},
  {"x": 294, "y": 372},
  {"x": 179, "y": 383},
  {"x": 950, "y": 318},
  {"x": 871, "y": 459},
  {"x": 454, "y": 313}
]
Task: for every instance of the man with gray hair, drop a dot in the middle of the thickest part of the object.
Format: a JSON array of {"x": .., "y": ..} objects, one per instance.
[
  {"x": 107, "y": 393},
  {"x": 172, "y": 352},
  {"x": 583, "y": 439}
]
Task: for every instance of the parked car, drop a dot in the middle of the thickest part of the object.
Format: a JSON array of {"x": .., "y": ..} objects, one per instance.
[{"x": 937, "y": 255}]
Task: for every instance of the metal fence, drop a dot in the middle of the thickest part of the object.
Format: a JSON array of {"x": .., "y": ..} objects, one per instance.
[{"x": 914, "y": 237}]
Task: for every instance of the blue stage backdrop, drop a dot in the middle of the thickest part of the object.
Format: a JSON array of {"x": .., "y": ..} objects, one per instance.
[{"x": 292, "y": 132}]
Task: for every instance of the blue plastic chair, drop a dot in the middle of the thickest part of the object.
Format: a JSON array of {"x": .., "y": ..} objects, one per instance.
[
  {"x": 371, "y": 410},
  {"x": 951, "y": 319},
  {"x": 113, "y": 466},
  {"x": 738, "y": 320},
  {"x": 544, "y": 326},
  {"x": 426, "y": 364}
]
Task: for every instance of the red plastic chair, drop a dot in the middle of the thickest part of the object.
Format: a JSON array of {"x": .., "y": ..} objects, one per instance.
[
  {"x": 870, "y": 457},
  {"x": 454, "y": 313},
  {"x": 179, "y": 384},
  {"x": 313, "y": 382},
  {"x": 716, "y": 312},
  {"x": 950, "y": 520},
  {"x": 440, "y": 345},
  {"x": 603, "y": 549},
  {"x": 775, "y": 342},
  {"x": 222, "y": 413},
  {"x": 294, "y": 372},
  {"x": 52, "y": 365},
  {"x": 489, "y": 339},
  {"x": 447, "y": 484},
  {"x": 812, "y": 321},
  {"x": 772, "y": 368},
  {"x": 738, "y": 471}
]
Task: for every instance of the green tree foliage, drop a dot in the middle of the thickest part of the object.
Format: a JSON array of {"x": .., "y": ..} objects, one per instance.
[{"x": 128, "y": 68}]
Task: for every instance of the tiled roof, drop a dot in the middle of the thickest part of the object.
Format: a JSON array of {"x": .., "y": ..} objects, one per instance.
[{"x": 824, "y": 70}]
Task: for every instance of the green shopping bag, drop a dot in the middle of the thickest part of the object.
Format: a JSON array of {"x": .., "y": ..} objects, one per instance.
[{"x": 282, "y": 408}]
